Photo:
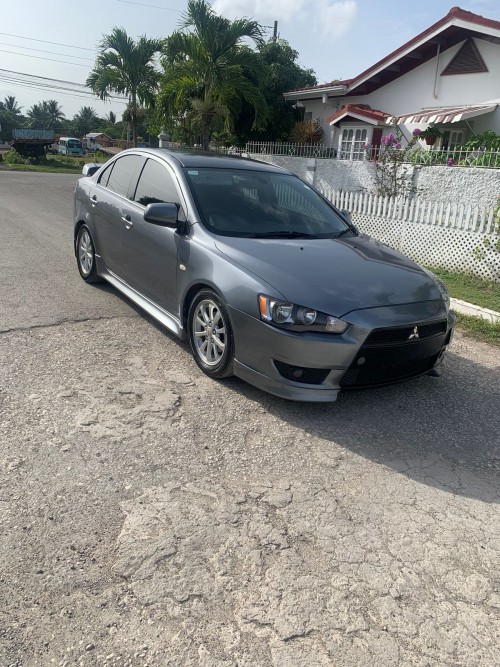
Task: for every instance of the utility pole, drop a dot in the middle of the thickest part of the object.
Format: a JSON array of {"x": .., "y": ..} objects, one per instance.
[{"x": 275, "y": 32}]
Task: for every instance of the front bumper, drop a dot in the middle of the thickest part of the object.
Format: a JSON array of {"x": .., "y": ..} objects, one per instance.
[{"x": 262, "y": 351}]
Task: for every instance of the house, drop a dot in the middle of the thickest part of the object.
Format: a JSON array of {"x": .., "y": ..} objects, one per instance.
[
  {"x": 446, "y": 77},
  {"x": 96, "y": 140}
]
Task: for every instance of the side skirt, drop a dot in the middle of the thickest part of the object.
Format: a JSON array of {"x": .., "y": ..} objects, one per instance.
[{"x": 169, "y": 321}]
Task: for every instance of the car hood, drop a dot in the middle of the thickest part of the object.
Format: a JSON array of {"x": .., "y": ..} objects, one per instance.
[{"x": 334, "y": 276}]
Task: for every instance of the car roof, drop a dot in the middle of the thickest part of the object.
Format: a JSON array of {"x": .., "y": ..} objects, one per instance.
[{"x": 195, "y": 159}]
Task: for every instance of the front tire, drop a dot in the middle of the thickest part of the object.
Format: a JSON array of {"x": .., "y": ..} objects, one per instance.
[
  {"x": 85, "y": 256},
  {"x": 210, "y": 335}
]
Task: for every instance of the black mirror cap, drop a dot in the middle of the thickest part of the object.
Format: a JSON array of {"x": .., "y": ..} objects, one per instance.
[{"x": 164, "y": 215}]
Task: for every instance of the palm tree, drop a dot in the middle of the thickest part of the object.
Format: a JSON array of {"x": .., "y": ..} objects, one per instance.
[
  {"x": 126, "y": 67},
  {"x": 38, "y": 116},
  {"x": 111, "y": 118},
  {"x": 85, "y": 120},
  {"x": 10, "y": 104},
  {"x": 207, "y": 63},
  {"x": 55, "y": 114}
]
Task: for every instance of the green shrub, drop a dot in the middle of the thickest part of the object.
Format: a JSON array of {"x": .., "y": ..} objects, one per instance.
[{"x": 13, "y": 157}]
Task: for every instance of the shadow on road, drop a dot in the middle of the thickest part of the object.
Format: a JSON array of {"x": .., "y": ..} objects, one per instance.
[{"x": 443, "y": 432}]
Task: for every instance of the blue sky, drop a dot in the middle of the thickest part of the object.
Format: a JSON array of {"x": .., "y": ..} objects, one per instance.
[{"x": 337, "y": 39}]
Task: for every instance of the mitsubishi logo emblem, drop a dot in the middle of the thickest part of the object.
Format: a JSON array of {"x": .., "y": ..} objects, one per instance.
[{"x": 414, "y": 334}]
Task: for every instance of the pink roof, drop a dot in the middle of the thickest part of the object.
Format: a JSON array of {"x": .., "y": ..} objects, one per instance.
[{"x": 454, "y": 13}]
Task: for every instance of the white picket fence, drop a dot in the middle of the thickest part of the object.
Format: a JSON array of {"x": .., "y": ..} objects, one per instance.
[{"x": 451, "y": 236}]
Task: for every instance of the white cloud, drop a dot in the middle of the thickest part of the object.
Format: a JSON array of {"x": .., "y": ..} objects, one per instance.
[
  {"x": 335, "y": 20},
  {"x": 327, "y": 18}
]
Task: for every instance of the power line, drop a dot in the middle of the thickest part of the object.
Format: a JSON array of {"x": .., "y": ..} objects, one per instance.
[
  {"x": 165, "y": 9},
  {"x": 57, "y": 91},
  {"x": 45, "y": 78},
  {"x": 42, "y": 82},
  {"x": 53, "y": 60},
  {"x": 54, "y": 53},
  {"x": 44, "y": 41}
]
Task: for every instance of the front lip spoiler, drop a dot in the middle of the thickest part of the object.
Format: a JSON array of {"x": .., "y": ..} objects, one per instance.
[{"x": 291, "y": 392}]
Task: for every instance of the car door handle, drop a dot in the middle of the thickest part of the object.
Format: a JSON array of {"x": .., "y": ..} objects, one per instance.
[
  {"x": 93, "y": 200},
  {"x": 128, "y": 221}
]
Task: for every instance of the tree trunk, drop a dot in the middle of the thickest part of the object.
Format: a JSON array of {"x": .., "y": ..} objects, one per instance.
[
  {"x": 206, "y": 134},
  {"x": 134, "y": 118}
]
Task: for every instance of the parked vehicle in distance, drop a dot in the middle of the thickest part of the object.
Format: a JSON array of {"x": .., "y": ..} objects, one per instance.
[
  {"x": 265, "y": 278},
  {"x": 70, "y": 146},
  {"x": 29, "y": 142}
]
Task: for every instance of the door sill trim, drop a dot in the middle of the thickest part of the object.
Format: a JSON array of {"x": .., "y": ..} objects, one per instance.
[{"x": 153, "y": 309}]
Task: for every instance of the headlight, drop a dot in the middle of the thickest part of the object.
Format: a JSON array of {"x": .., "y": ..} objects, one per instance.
[
  {"x": 298, "y": 318},
  {"x": 441, "y": 287}
]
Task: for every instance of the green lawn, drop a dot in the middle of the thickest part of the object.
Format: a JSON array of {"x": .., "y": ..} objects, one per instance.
[
  {"x": 469, "y": 288},
  {"x": 479, "y": 329},
  {"x": 59, "y": 164}
]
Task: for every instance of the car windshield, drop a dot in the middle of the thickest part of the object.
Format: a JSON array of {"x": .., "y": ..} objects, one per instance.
[
  {"x": 258, "y": 204},
  {"x": 74, "y": 143}
]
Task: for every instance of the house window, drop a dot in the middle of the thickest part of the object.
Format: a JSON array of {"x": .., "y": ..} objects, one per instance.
[
  {"x": 352, "y": 144},
  {"x": 452, "y": 139}
]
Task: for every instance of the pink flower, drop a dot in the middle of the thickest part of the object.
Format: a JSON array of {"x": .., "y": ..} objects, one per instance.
[
  {"x": 398, "y": 146},
  {"x": 416, "y": 132},
  {"x": 450, "y": 162}
]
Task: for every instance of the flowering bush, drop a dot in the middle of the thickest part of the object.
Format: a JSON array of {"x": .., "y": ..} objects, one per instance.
[{"x": 392, "y": 176}]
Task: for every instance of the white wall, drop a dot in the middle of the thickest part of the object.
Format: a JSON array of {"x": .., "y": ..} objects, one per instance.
[
  {"x": 415, "y": 90},
  {"x": 461, "y": 185}
]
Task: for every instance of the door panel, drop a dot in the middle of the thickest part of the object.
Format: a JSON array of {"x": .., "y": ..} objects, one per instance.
[
  {"x": 107, "y": 201},
  {"x": 150, "y": 251}
]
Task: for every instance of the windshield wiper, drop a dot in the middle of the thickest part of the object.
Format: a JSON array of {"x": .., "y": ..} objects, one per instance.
[
  {"x": 285, "y": 234},
  {"x": 344, "y": 231}
]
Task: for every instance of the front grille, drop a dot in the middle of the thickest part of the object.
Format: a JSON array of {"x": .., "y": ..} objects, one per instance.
[
  {"x": 402, "y": 334},
  {"x": 370, "y": 375}
]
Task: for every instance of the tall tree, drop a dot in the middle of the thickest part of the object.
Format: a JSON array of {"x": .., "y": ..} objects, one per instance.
[
  {"x": 126, "y": 67},
  {"x": 38, "y": 116},
  {"x": 55, "y": 114},
  {"x": 85, "y": 121},
  {"x": 46, "y": 115},
  {"x": 282, "y": 73},
  {"x": 111, "y": 118},
  {"x": 10, "y": 104},
  {"x": 209, "y": 72}
]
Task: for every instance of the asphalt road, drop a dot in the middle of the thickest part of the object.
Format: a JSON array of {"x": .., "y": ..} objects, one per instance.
[{"x": 151, "y": 516}]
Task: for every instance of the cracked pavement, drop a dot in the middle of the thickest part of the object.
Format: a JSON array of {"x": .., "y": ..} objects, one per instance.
[{"x": 150, "y": 516}]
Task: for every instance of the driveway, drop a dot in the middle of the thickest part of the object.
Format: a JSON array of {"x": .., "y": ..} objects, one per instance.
[{"x": 151, "y": 516}]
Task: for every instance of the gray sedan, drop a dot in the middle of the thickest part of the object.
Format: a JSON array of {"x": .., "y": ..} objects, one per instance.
[{"x": 265, "y": 277}]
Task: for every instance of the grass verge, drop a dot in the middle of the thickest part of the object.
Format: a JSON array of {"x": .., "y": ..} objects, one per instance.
[
  {"x": 469, "y": 288},
  {"x": 476, "y": 327}
]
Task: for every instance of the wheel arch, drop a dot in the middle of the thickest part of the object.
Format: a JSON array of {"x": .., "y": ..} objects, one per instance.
[{"x": 191, "y": 294}]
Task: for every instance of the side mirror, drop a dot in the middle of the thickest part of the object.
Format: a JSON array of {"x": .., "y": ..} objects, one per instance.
[
  {"x": 164, "y": 215},
  {"x": 90, "y": 168},
  {"x": 346, "y": 214}
]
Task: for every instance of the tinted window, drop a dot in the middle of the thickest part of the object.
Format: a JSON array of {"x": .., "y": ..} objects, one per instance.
[
  {"x": 260, "y": 204},
  {"x": 104, "y": 177},
  {"x": 155, "y": 185},
  {"x": 122, "y": 173}
]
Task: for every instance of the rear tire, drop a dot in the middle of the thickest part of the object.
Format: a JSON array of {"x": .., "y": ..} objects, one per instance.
[
  {"x": 85, "y": 256},
  {"x": 210, "y": 335}
]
